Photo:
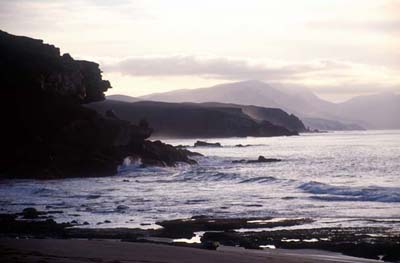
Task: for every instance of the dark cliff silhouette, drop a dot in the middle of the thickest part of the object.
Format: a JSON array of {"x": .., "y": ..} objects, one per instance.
[
  {"x": 192, "y": 120},
  {"x": 46, "y": 132}
]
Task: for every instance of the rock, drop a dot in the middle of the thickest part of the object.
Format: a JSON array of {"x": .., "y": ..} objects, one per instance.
[
  {"x": 85, "y": 223},
  {"x": 107, "y": 221},
  {"x": 239, "y": 161},
  {"x": 152, "y": 162},
  {"x": 180, "y": 146},
  {"x": 211, "y": 245},
  {"x": 161, "y": 154},
  {"x": 206, "y": 223},
  {"x": 30, "y": 213},
  {"x": 207, "y": 144},
  {"x": 111, "y": 114},
  {"x": 11, "y": 226},
  {"x": 122, "y": 207},
  {"x": 49, "y": 133},
  {"x": 190, "y": 153},
  {"x": 262, "y": 159}
]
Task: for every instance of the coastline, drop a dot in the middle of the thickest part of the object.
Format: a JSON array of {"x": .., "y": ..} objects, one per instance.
[
  {"x": 56, "y": 250},
  {"x": 240, "y": 235}
]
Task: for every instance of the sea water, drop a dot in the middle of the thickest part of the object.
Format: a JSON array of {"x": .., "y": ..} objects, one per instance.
[{"x": 337, "y": 178}]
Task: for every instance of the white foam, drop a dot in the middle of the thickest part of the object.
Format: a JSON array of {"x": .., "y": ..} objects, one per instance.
[{"x": 345, "y": 193}]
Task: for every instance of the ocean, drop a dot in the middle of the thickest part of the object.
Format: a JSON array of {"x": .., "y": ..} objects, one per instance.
[{"x": 340, "y": 179}]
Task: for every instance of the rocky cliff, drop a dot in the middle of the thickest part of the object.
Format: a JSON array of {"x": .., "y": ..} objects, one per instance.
[
  {"x": 46, "y": 132},
  {"x": 192, "y": 120}
]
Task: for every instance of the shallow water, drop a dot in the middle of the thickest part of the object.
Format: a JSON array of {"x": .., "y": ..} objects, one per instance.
[{"x": 339, "y": 178}]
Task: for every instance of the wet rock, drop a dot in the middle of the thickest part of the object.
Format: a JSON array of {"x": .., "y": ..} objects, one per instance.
[
  {"x": 205, "y": 223},
  {"x": 30, "y": 213},
  {"x": 107, "y": 221},
  {"x": 241, "y": 145},
  {"x": 211, "y": 245},
  {"x": 239, "y": 161},
  {"x": 180, "y": 146},
  {"x": 152, "y": 162},
  {"x": 206, "y": 144},
  {"x": 122, "y": 207},
  {"x": 359, "y": 242},
  {"x": 190, "y": 153},
  {"x": 10, "y": 226},
  {"x": 261, "y": 159}
]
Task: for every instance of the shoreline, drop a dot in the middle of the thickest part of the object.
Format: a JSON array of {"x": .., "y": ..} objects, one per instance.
[
  {"x": 211, "y": 233},
  {"x": 75, "y": 250}
]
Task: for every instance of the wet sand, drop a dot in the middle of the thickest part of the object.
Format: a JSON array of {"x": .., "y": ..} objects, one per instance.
[{"x": 73, "y": 250}]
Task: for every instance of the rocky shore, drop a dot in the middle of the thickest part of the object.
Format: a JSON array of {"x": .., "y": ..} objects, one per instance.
[
  {"x": 211, "y": 233},
  {"x": 48, "y": 133}
]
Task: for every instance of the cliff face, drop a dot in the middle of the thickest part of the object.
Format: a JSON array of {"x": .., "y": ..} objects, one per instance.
[
  {"x": 191, "y": 120},
  {"x": 29, "y": 64},
  {"x": 275, "y": 116},
  {"x": 46, "y": 132}
]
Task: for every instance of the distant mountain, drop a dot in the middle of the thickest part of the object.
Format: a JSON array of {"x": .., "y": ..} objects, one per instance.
[
  {"x": 252, "y": 92},
  {"x": 330, "y": 125},
  {"x": 372, "y": 112},
  {"x": 190, "y": 120},
  {"x": 381, "y": 111},
  {"x": 122, "y": 98}
]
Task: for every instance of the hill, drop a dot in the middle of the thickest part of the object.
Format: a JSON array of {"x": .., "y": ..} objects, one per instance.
[
  {"x": 190, "y": 120},
  {"x": 378, "y": 111}
]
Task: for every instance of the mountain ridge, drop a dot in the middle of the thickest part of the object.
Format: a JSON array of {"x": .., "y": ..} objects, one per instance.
[{"x": 302, "y": 103}]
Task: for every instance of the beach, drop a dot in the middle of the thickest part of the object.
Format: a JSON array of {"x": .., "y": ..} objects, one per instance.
[{"x": 56, "y": 250}]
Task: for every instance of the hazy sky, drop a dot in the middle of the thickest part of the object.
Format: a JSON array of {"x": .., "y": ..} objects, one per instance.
[{"x": 337, "y": 48}]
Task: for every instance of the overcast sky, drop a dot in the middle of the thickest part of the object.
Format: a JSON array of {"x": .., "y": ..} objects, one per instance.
[{"x": 337, "y": 48}]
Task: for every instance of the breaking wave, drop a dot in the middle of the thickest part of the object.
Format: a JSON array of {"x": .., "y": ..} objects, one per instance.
[{"x": 343, "y": 193}]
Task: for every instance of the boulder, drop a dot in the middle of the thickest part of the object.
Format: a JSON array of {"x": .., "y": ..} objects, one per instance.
[
  {"x": 30, "y": 213},
  {"x": 206, "y": 144},
  {"x": 261, "y": 159}
]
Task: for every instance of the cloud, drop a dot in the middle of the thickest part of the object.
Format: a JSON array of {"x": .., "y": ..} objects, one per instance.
[
  {"x": 74, "y": 15},
  {"x": 381, "y": 18},
  {"x": 326, "y": 76},
  {"x": 225, "y": 68},
  {"x": 379, "y": 26}
]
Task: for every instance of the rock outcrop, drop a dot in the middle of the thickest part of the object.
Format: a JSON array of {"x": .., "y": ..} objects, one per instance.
[
  {"x": 261, "y": 159},
  {"x": 46, "y": 132},
  {"x": 206, "y": 144}
]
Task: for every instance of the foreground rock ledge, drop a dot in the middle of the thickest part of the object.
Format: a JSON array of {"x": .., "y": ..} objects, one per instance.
[{"x": 366, "y": 242}]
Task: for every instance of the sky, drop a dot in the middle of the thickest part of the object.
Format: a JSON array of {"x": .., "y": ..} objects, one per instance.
[{"x": 336, "y": 48}]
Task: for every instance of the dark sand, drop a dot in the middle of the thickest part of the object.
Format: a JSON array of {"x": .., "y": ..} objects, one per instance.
[{"x": 72, "y": 250}]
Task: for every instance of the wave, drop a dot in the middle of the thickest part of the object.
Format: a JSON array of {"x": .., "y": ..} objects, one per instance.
[
  {"x": 262, "y": 179},
  {"x": 209, "y": 177},
  {"x": 344, "y": 193}
]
